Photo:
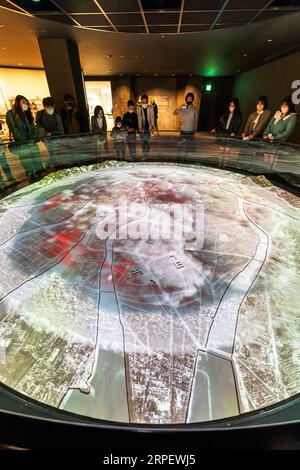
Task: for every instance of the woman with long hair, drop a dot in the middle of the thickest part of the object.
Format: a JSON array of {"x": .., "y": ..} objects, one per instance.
[
  {"x": 98, "y": 122},
  {"x": 231, "y": 120},
  {"x": 282, "y": 123},
  {"x": 20, "y": 121}
]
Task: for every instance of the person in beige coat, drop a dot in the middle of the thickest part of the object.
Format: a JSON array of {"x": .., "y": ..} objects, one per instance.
[
  {"x": 257, "y": 121},
  {"x": 146, "y": 122}
]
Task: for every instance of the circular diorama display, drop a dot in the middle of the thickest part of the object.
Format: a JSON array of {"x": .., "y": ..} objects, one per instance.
[{"x": 151, "y": 293}]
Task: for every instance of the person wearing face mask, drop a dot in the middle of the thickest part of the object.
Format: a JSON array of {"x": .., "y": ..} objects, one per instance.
[
  {"x": 283, "y": 122},
  {"x": 189, "y": 116},
  {"x": 257, "y": 121},
  {"x": 146, "y": 121},
  {"x": 231, "y": 120},
  {"x": 49, "y": 122},
  {"x": 19, "y": 120},
  {"x": 70, "y": 116},
  {"x": 98, "y": 122},
  {"x": 130, "y": 122},
  {"x": 119, "y": 136}
]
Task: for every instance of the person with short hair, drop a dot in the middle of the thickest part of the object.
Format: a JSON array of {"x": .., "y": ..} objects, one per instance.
[
  {"x": 189, "y": 116},
  {"x": 258, "y": 120},
  {"x": 70, "y": 116},
  {"x": 283, "y": 122},
  {"x": 48, "y": 121},
  {"x": 146, "y": 121},
  {"x": 130, "y": 122}
]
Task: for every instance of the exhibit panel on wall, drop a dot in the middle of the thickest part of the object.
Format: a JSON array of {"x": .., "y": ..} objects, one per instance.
[{"x": 26, "y": 82}]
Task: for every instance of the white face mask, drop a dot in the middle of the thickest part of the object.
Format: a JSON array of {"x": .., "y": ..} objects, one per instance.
[
  {"x": 144, "y": 105},
  {"x": 130, "y": 110},
  {"x": 24, "y": 107},
  {"x": 231, "y": 109},
  {"x": 49, "y": 111},
  {"x": 119, "y": 124}
]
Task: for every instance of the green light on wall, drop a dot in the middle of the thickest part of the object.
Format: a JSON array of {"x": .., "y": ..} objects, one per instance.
[{"x": 208, "y": 87}]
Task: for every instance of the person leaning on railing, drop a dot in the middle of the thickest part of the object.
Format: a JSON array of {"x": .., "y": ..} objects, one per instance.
[
  {"x": 283, "y": 122},
  {"x": 20, "y": 121},
  {"x": 258, "y": 120},
  {"x": 48, "y": 121}
]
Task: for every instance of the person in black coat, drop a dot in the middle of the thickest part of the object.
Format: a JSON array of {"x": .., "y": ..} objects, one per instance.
[
  {"x": 130, "y": 121},
  {"x": 231, "y": 120}
]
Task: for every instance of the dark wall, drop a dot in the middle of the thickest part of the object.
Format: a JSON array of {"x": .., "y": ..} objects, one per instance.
[
  {"x": 274, "y": 80},
  {"x": 214, "y": 102}
]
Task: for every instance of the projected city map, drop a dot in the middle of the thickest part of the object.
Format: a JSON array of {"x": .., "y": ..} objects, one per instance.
[{"x": 151, "y": 293}]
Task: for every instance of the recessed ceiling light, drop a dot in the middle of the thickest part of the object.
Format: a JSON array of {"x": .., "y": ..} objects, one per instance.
[
  {"x": 173, "y": 74},
  {"x": 108, "y": 56},
  {"x": 136, "y": 56},
  {"x": 121, "y": 75},
  {"x": 163, "y": 36},
  {"x": 122, "y": 56},
  {"x": 20, "y": 63},
  {"x": 155, "y": 75},
  {"x": 137, "y": 74},
  {"x": 245, "y": 55},
  {"x": 270, "y": 40},
  {"x": 1, "y": 25},
  {"x": 3, "y": 48},
  {"x": 108, "y": 71},
  {"x": 191, "y": 74}
]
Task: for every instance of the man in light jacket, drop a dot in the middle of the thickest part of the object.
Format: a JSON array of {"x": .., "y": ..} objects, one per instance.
[{"x": 146, "y": 122}]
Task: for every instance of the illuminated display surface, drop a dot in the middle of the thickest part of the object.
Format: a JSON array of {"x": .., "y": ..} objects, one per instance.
[{"x": 151, "y": 329}]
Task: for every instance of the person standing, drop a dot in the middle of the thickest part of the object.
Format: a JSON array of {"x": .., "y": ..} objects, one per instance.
[
  {"x": 155, "y": 109},
  {"x": 258, "y": 120},
  {"x": 189, "y": 115},
  {"x": 70, "y": 116},
  {"x": 99, "y": 128},
  {"x": 130, "y": 122},
  {"x": 119, "y": 136},
  {"x": 48, "y": 121},
  {"x": 4, "y": 164},
  {"x": 283, "y": 122},
  {"x": 19, "y": 120},
  {"x": 231, "y": 120},
  {"x": 145, "y": 114},
  {"x": 98, "y": 123}
]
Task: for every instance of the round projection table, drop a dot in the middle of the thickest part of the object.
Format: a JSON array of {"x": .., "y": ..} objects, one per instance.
[{"x": 151, "y": 293}]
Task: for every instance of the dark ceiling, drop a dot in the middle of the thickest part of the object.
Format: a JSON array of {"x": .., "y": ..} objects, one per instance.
[
  {"x": 223, "y": 51},
  {"x": 155, "y": 16}
]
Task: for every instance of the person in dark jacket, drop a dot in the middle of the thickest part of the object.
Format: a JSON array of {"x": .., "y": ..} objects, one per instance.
[
  {"x": 257, "y": 121},
  {"x": 49, "y": 122},
  {"x": 155, "y": 109},
  {"x": 231, "y": 120},
  {"x": 19, "y": 120},
  {"x": 4, "y": 164},
  {"x": 283, "y": 123},
  {"x": 130, "y": 122},
  {"x": 98, "y": 122},
  {"x": 70, "y": 116}
]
